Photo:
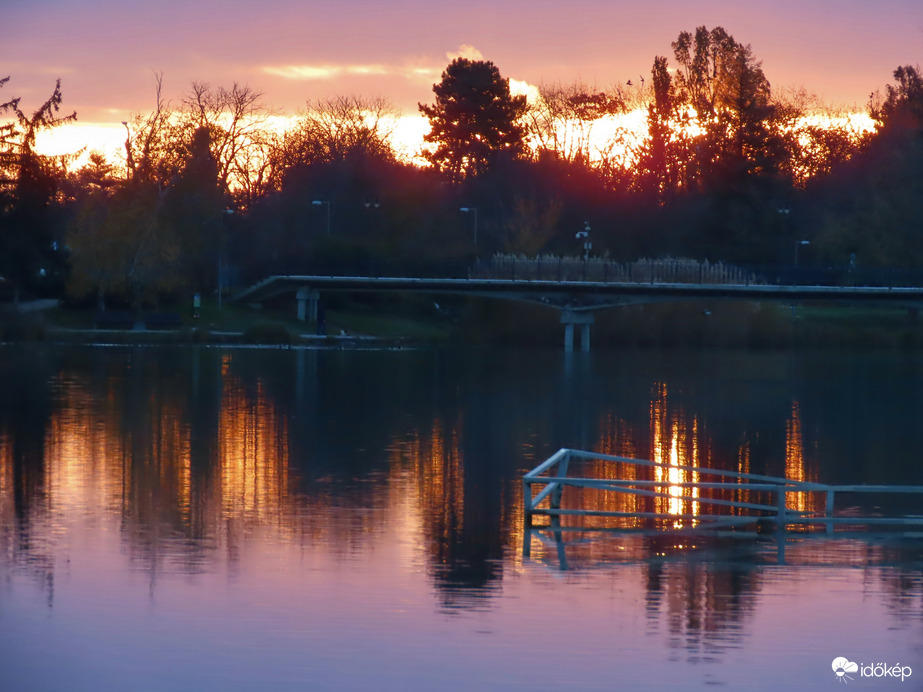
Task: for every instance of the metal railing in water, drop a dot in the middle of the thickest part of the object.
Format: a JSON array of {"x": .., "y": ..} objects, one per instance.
[{"x": 679, "y": 499}]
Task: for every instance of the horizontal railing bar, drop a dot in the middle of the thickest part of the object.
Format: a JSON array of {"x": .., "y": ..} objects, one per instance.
[
  {"x": 790, "y": 517},
  {"x": 710, "y": 525},
  {"x": 690, "y": 498},
  {"x": 875, "y": 488},
  {"x": 601, "y": 482},
  {"x": 881, "y": 536},
  {"x": 857, "y": 520},
  {"x": 580, "y": 454},
  {"x": 604, "y": 513},
  {"x": 770, "y": 487}
]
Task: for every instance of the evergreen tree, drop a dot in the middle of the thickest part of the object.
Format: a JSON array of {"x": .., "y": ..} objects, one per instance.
[
  {"x": 28, "y": 186},
  {"x": 474, "y": 119}
]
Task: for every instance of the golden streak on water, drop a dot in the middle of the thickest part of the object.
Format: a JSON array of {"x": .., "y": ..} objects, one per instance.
[
  {"x": 431, "y": 467},
  {"x": 795, "y": 468}
]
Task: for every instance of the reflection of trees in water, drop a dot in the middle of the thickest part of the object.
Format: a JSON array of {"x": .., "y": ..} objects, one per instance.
[
  {"x": 189, "y": 463},
  {"x": 190, "y": 458},
  {"x": 461, "y": 514},
  {"x": 903, "y": 584},
  {"x": 700, "y": 604},
  {"x": 198, "y": 455},
  {"x": 25, "y": 520},
  {"x": 676, "y": 438}
]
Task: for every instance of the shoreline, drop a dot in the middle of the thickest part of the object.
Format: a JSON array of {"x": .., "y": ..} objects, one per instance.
[{"x": 206, "y": 337}]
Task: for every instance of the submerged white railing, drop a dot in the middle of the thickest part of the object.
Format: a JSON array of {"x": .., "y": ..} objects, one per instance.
[{"x": 696, "y": 504}]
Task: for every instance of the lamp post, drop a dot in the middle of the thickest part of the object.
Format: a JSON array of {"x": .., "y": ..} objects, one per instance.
[
  {"x": 129, "y": 162},
  {"x": 473, "y": 210},
  {"x": 224, "y": 214},
  {"x": 587, "y": 245},
  {"x": 799, "y": 243},
  {"x": 320, "y": 202}
]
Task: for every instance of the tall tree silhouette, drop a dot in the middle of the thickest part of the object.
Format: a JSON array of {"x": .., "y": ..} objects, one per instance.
[
  {"x": 663, "y": 160},
  {"x": 29, "y": 184},
  {"x": 192, "y": 208},
  {"x": 731, "y": 97},
  {"x": 876, "y": 208},
  {"x": 902, "y": 104},
  {"x": 474, "y": 119}
]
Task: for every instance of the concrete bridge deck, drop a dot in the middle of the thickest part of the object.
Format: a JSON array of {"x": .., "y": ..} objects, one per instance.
[{"x": 576, "y": 299}]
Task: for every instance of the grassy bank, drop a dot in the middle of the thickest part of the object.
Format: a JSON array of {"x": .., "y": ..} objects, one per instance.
[
  {"x": 722, "y": 324},
  {"x": 392, "y": 319},
  {"x": 345, "y": 321}
]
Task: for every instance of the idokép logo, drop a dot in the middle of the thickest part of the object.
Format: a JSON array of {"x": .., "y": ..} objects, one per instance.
[{"x": 842, "y": 667}]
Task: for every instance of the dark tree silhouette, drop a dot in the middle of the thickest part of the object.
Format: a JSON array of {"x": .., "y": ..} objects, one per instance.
[
  {"x": 192, "y": 208},
  {"x": 731, "y": 97},
  {"x": 663, "y": 157},
  {"x": 474, "y": 119},
  {"x": 28, "y": 185},
  {"x": 334, "y": 130},
  {"x": 875, "y": 204},
  {"x": 903, "y": 102}
]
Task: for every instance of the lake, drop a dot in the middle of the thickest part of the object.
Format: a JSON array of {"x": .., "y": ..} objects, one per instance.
[{"x": 197, "y": 518}]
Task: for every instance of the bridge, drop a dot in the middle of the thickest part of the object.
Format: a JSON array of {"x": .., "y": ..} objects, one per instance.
[{"x": 576, "y": 299}]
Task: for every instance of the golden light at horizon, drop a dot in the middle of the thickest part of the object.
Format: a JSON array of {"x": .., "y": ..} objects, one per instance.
[{"x": 613, "y": 138}]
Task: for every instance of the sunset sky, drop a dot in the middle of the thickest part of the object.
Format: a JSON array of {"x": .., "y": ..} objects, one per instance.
[{"x": 105, "y": 52}]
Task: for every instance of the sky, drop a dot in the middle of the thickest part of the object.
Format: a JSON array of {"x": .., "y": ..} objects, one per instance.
[{"x": 106, "y": 52}]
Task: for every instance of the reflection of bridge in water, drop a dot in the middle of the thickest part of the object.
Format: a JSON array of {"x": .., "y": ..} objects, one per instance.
[{"x": 577, "y": 299}]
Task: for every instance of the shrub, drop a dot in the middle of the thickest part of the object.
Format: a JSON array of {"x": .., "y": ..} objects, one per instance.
[{"x": 267, "y": 333}]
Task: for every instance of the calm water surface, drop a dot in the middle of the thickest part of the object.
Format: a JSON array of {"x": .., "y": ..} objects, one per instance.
[{"x": 211, "y": 519}]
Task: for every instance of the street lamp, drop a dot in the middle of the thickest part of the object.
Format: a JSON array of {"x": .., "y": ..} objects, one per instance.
[
  {"x": 320, "y": 202},
  {"x": 587, "y": 245},
  {"x": 473, "y": 210},
  {"x": 129, "y": 162},
  {"x": 798, "y": 243},
  {"x": 224, "y": 214}
]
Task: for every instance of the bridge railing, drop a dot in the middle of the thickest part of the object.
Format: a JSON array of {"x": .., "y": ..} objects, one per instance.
[
  {"x": 687, "y": 497},
  {"x": 688, "y": 271},
  {"x": 667, "y": 270}
]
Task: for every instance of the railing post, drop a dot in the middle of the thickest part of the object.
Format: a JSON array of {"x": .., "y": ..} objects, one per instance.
[
  {"x": 527, "y": 518},
  {"x": 828, "y": 510},
  {"x": 559, "y": 490},
  {"x": 781, "y": 507}
]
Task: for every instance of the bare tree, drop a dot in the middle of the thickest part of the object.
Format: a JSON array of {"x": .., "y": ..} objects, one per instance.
[
  {"x": 150, "y": 150},
  {"x": 564, "y": 118},
  {"x": 237, "y": 121},
  {"x": 335, "y": 129}
]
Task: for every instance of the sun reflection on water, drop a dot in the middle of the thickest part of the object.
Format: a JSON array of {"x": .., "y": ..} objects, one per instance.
[{"x": 795, "y": 466}]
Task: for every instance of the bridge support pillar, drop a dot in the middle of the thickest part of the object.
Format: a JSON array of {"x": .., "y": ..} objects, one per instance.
[
  {"x": 570, "y": 318},
  {"x": 307, "y": 304}
]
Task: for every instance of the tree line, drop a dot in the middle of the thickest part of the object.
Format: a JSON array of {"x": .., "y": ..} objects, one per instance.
[{"x": 210, "y": 193}]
